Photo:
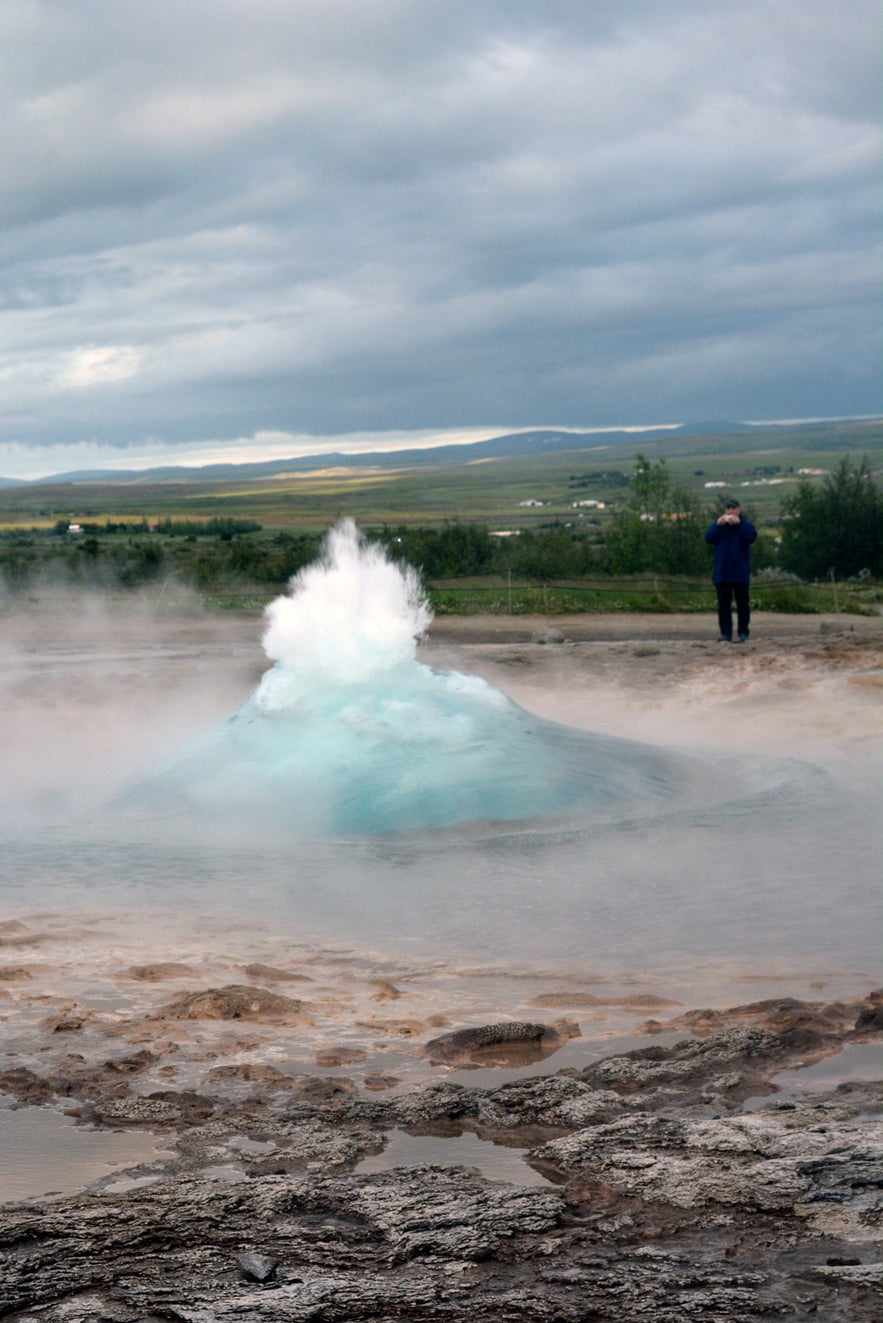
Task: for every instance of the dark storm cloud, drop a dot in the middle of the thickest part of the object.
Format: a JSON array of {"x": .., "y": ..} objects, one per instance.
[{"x": 325, "y": 216}]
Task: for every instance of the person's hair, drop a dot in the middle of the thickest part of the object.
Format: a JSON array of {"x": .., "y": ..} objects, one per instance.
[{"x": 732, "y": 505}]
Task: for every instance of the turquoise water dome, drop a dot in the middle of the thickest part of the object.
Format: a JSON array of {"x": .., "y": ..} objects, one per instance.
[{"x": 349, "y": 733}]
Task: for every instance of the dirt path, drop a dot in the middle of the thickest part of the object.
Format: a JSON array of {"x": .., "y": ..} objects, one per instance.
[{"x": 612, "y": 626}]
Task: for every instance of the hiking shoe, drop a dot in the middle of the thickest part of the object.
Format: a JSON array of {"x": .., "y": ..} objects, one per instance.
[
  {"x": 743, "y": 638},
  {"x": 725, "y": 638}
]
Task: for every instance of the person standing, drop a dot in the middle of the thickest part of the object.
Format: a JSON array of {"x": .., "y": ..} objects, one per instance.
[{"x": 731, "y": 535}]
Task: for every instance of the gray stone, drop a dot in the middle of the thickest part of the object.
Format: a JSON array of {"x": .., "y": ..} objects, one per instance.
[{"x": 257, "y": 1267}]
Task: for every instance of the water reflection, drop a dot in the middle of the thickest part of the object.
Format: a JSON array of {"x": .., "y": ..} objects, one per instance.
[
  {"x": 44, "y": 1152},
  {"x": 466, "y": 1150}
]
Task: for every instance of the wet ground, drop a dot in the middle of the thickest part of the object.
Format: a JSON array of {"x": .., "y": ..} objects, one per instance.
[{"x": 191, "y": 1043}]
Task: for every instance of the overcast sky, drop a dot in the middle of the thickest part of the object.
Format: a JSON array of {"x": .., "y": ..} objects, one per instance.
[{"x": 253, "y": 227}]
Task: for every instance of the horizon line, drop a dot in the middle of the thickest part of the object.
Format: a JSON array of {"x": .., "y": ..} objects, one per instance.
[{"x": 360, "y": 443}]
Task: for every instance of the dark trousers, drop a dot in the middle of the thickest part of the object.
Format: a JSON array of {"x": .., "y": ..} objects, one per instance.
[{"x": 725, "y": 594}]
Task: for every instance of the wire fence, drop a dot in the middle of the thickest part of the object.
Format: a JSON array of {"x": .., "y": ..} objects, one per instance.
[{"x": 643, "y": 593}]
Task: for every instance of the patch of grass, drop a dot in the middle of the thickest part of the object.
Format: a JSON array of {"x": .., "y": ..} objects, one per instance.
[
  {"x": 454, "y": 597},
  {"x": 222, "y": 599}
]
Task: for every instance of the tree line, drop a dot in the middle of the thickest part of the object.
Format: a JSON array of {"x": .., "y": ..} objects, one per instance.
[
  {"x": 830, "y": 527},
  {"x": 834, "y": 525}
]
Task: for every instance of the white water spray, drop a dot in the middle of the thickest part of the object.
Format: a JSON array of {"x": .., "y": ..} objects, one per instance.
[{"x": 350, "y": 616}]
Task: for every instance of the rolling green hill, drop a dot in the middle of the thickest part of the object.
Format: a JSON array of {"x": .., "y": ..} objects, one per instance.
[{"x": 760, "y": 465}]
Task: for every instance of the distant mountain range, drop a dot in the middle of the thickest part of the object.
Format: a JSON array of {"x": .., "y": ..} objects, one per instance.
[{"x": 509, "y": 445}]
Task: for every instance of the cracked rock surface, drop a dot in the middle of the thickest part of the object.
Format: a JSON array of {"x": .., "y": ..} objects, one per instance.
[{"x": 667, "y": 1199}]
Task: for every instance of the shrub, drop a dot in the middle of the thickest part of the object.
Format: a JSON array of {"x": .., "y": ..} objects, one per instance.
[{"x": 835, "y": 526}]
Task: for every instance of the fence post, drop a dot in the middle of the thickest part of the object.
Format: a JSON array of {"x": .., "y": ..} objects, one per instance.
[
  {"x": 509, "y": 586},
  {"x": 834, "y": 586}
]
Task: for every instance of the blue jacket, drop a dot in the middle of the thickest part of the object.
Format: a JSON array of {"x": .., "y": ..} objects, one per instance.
[{"x": 732, "y": 555}]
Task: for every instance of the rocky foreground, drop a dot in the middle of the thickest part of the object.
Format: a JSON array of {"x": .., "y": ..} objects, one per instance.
[{"x": 667, "y": 1199}]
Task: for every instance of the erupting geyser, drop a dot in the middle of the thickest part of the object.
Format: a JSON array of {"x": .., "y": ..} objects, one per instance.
[{"x": 350, "y": 733}]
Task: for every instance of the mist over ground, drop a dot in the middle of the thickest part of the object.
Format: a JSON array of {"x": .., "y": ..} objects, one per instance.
[{"x": 773, "y": 823}]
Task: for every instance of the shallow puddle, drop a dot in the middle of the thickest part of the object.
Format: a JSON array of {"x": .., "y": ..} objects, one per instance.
[
  {"x": 857, "y": 1063},
  {"x": 44, "y": 1152},
  {"x": 493, "y": 1161}
]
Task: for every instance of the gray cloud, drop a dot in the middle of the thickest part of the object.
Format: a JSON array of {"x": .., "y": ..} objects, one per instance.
[{"x": 320, "y": 216}]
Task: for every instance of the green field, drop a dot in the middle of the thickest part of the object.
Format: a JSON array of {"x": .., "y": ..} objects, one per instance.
[
  {"x": 487, "y": 491},
  {"x": 497, "y": 535}
]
